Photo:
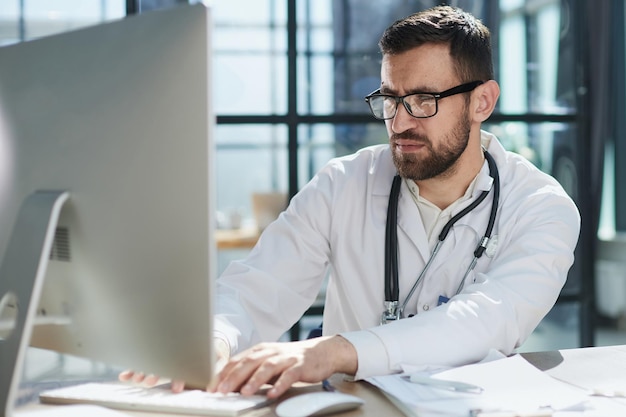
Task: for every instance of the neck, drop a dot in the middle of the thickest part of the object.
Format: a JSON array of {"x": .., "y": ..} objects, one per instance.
[{"x": 452, "y": 185}]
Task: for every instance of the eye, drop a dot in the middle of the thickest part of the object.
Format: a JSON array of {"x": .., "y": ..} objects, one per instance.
[
  {"x": 422, "y": 99},
  {"x": 418, "y": 100},
  {"x": 421, "y": 105},
  {"x": 389, "y": 102}
]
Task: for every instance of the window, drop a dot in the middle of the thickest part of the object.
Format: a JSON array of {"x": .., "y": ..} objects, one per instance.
[
  {"x": 29, "y": 19},
  {"x": 303, "y": 75},
  {"x": 290, "y": 77}
]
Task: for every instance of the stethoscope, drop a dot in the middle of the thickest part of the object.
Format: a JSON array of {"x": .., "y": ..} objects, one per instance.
[{"x": 393, "y": 311}]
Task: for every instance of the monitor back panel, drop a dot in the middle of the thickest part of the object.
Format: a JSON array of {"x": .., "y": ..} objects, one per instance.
[{"x": 120, "y": 116}]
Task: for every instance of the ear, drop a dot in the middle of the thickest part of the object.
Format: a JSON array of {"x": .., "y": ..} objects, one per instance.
[{"x": 484, "y": 100}]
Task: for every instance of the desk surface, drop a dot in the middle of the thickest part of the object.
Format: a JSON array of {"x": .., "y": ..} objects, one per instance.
[{"x": 585, "y": 367}]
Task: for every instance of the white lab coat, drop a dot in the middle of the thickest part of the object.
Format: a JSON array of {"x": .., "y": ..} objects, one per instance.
[{"x": 336, "y": 223}]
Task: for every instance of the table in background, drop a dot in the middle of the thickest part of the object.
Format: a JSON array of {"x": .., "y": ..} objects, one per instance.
[{"x": 244, "y": 238}]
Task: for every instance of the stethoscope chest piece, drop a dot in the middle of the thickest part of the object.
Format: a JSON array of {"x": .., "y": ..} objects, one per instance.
[{"x": 391, "y": 312}]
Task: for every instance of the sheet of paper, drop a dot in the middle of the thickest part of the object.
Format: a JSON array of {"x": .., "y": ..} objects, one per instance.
[
  {"x": 595, "y": 369},
  {"x": 509, "y": 384}
]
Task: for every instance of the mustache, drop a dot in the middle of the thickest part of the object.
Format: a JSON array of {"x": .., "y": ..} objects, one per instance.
[{"x": 410, "y": 136}]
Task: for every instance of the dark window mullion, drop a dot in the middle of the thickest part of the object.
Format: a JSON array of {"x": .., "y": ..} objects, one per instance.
[
  {"x": 619, "y": 108},
  {"x": 292, "y": 97}
]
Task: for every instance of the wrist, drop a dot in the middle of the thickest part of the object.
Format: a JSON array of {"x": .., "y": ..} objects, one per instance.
[
  {"x": 344, "y": 355},
  {"x": 222, "y": 350}
]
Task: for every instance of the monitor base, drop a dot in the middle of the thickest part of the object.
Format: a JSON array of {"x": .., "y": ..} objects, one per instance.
[{"x": 22, "y": 272}]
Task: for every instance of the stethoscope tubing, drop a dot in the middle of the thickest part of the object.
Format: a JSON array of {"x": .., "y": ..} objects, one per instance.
[{"x": 391, "y": 240}]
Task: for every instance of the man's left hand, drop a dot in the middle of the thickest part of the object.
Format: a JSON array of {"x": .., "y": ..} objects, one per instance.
[{"x": 283, "y": 364}]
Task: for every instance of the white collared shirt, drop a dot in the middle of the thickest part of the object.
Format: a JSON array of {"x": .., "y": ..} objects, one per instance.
[{"x": 434, "y": 218}]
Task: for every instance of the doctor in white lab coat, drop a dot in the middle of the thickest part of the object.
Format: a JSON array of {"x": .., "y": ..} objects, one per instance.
[
  {"x": 336, "y": 225},
  {"x": 338, "y": 222}
]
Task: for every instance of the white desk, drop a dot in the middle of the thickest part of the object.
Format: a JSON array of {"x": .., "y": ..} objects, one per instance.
[{"x": 376, "y": 404}]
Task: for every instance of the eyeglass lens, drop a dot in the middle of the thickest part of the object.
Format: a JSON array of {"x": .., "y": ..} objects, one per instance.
[{"x": 418, "y": 105}]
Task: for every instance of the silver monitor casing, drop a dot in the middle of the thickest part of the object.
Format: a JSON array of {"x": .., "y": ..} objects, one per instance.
[{"x": 119, "y": 116}]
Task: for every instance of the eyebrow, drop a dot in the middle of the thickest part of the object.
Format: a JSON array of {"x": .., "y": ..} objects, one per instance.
[{"x": 387, "y": 91}]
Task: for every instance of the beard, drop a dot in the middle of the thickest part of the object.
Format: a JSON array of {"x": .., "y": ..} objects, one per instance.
[{"x": 439, "y": 161}]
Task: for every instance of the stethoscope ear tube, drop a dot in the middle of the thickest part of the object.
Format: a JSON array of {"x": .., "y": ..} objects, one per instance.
[
  {"x": 482, "y": 245},
  {"x": 392, "y": 292},
  {"x": 493, "y": 169}
]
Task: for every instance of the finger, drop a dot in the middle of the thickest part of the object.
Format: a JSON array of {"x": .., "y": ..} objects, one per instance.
[
  {"x": 271, "y": 370},
  {"x": 177, "y": 385},
  {"x": 283, "y": 383},
  {"x": 220, "y": 363},
  {"x": 126, "y": 375},
  {"x": 238, "y": 371},
  {"x": 233, "y": 380},
  {"x": 151, "y": 380},
  {"x": 138, "y": 377}
]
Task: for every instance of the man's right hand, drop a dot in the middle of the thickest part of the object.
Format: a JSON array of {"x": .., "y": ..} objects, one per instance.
[
  {"x": 222, "y": 354},
  {"x": 149, "y": 380}
]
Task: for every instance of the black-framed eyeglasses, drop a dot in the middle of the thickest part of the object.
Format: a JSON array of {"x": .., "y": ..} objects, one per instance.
[{"x": 419, "y": 105}]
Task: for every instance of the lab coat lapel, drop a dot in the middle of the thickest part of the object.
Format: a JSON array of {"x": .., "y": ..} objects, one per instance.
[
  {"x": 410, "y": 222},
  {"x": 476, "y": 220}
]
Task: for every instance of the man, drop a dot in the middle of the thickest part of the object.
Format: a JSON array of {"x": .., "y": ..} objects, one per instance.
[{"x": 337, "y": 224}]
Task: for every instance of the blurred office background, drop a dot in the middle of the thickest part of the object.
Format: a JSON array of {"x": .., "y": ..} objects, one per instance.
[{"x": 289, "y": 82}]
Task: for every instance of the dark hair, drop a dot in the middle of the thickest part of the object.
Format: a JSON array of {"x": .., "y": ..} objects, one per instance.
[{"x": 468, "y": 38}]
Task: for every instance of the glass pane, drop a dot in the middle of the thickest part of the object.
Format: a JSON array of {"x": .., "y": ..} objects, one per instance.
[
  {"x": 319, "y": 143},
  {"x": 114, "y": 9},
  {"x": 316, "y": 71},
  {"x": 10, "y": 9},
  {"x": 512, "y": 65},
  {"x": 148, "y": 5},
  {"x": 535, "y": 62},
  {"x": 315, "y": 57},
  {"x": 249, "y": 84},
  {"x": 46, "y": 17},
  {"x": 249, "y": 13},
  {"x": 63, "y": 9},
  {"x": 338, "y": 58},
  {"x": 250, "y": 159},
  {"x": 606, "y": 229},
  {"x": 9, "y": 22},
  {"x": 249, "y": 40},
  {"x": 550, "y": 146},
  {"x": 558, "y": 330},
  {"x": 250, "y": 72}
]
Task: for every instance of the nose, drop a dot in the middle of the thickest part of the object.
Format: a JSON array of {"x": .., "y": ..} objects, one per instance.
[{"x": 402, "y": 121}]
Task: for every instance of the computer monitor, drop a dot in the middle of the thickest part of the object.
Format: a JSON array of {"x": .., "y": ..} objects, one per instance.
[{"x": 118, "y": 115}]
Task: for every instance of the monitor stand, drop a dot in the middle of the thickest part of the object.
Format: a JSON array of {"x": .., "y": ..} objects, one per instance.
[{"x": 22, "y": 273}]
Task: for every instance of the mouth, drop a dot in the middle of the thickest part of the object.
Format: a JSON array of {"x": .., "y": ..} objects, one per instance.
[{"x": 409, "y": 146}]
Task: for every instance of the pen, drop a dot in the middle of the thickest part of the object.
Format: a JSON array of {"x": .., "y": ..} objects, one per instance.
[
  {"x": 444, "y": 383},
  {"x": 327, "y": 386},
  {"x": 542, "y": 412}
]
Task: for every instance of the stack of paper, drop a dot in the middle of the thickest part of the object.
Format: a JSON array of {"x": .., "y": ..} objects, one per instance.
[{"x": 510, "y": 387}]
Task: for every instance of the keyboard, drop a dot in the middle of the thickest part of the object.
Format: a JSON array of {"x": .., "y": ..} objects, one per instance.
[{"x": 159, "y": 398}]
